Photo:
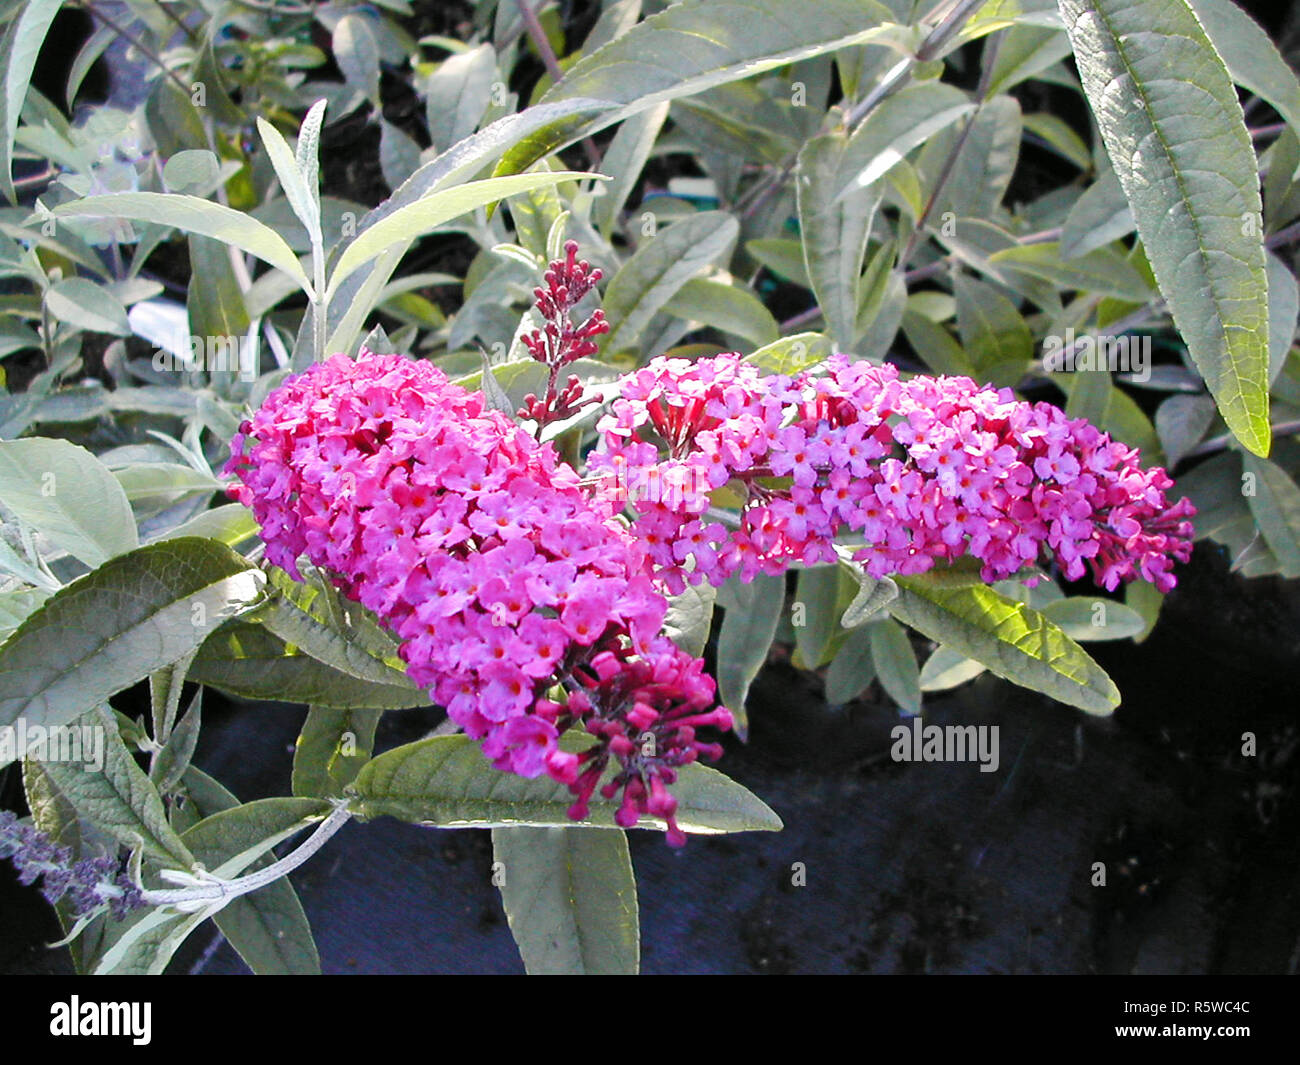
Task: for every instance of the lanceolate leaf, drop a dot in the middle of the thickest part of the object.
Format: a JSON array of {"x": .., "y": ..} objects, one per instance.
[
  {"x": 194, "y": 216},
  {"x": 900, "y": 123},
  {"x": 815, "y": 621},
  {"x": 119, "y": 800},
  {"x": 445, "y": 781},
  {"x": 1275, "y": 506},
  {"x": 1175, "y": 134},
  {"x": 1015, "y": 642},
  {"x": 689, "y": 617},
  {"x": 432, "y": 211},
  {"x": 834, "y": 232},
  {"x": 1251, "y": 58},
  {"x": 852, "y": 669},
  {"x": 692, "y": 47},
  {"x": 247, "y": 661},
  {"x": 895, "y": 664},
  {"x": 268, "y": 927},
  {"x": 658, "y": 269},
  {"x": 744, "y": 640},
  {"x": 111, "y": 628},
  {"x": 357, "y": 294},
  {"x": 332, "y": 747},
  {"x": 725, "y": 307},
  {"x": 305, "y": 201},
  {"x": 19, "y": 44},
  {"x": 64, "y": 492},
  {"x": 310, "y": 615},
  {"x": 570, "y": 897}
]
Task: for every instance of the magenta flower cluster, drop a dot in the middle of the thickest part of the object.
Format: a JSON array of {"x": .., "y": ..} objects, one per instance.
[
  {"x": 527, "y": 603},
  {"x": 502, "y": 576},
  {"x": 922, "y": 470}
]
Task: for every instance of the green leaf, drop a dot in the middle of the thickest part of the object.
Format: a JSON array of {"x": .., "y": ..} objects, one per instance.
[
  {"x": 304, "y": 200},
  {"x": 851, "y": 669},
  {"x": 332, "y": 747},
  {"x": 1283, "y": 309},
  {"x": 88, "y": 306},
  {"x": 307, "y": 154},
  {"x": 356, "y": 297},
  {"x": 872, "y": 597},
  {"x": 146, "y": 944},
  {"x": 815, "y": 597},
  {"x": 230, "y": 524},
  {"x": 216, "y": 308},
  {"x": 625, "y": 158},
  {"x": 791, "y": 354},
  {"x": 445, "y": 781},
  {"x": 1146, "y": 600},
  {"x": 18, "y": 605},
  {"x": 993, "y": 332},
  {"x": 458, "y": 93},
  {"x": 834, "y": 232},
  {"x": 946, "y": 669},
  {"x": 984, "y": 165},
  {"x": 570, "y": 898},
  {"x": 897, "y": 125},
  {"x": 115, "y": 626},
  {"x": 120, "y": 800},
  {"x": 744, "y": 640},
  {"x": 267, "y": 927},
  {"x": 193, "y": 215},
  {"x": 782, "y": 256},
  {"x": 247, "y": 661},
  {"x": 1013, "y": 641},
  {"x": 1085, "y": 618},
  {"x": 63, "y": 491},
  {"x": 54, "y": 815},
  {"x": 692, "y": 47},
  {"x": 726, "y": 307},
  {"x": 19, "y": 45},
  {"x": 357, "y": 53},
  {"x": 87, "y": 56},
  {"x": 310, "y": 615},
  {"x": 1101, "y": 215},
  {"x": 1251, "y": 58},
  {"x": 895, "y": 664},
  {"x": 1022, "y": 52},
  {"x": 936, "y": 345},
  {"x": 657, "y": 271},
  {"x": 175, "y": 756},
  {"x": 1275, "y": 507},
  {"x": 1181, "y": 422},
  {"x": 1100, "y": 271},
  {"x": 1175, "y": 134},
  {"x": 690, "y": 616},
  {"x": 399, "y": 155},
  {"x": 418, "y": 218}
]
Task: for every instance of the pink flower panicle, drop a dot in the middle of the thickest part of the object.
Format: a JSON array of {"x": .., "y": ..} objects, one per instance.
[
  {"x": 528, "y": 606},
  {"x": 559, "y": 342},
  {"x": 924, "y": 470},
  {"x": 502, "y": 576}
]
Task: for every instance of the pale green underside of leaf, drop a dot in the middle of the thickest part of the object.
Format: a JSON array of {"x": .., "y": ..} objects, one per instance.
[
  {"x": 570, "y": 898},
  {"x": 446, "y": 781},
  {"x": 193, "y": 215}
]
